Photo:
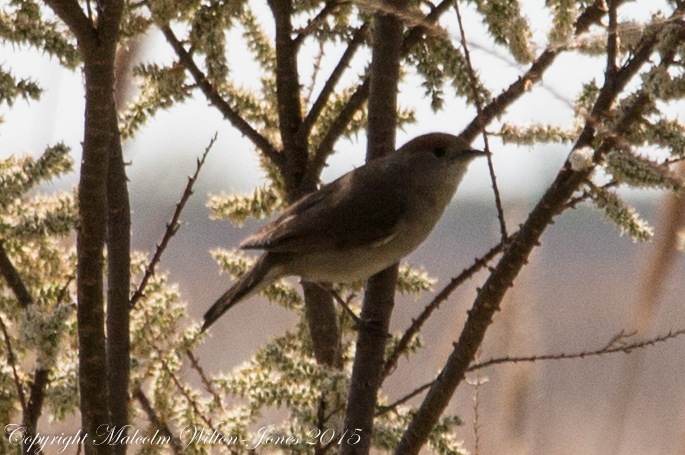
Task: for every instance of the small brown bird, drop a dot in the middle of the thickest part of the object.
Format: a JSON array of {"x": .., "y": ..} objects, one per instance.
[{"x": 361, "y": 223}]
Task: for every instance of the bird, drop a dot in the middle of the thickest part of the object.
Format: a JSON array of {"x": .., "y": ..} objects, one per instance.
[{"x": 359, "y": 224}]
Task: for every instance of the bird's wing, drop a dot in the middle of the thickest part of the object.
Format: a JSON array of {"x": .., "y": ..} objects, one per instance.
[{"x": 325, "y": 220}]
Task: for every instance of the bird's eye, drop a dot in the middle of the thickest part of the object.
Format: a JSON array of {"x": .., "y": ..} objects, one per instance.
[{"x": 439, "y": 152}]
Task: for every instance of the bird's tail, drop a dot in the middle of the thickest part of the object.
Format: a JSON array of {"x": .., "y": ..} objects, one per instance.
[{"x": 263, "y": 273}]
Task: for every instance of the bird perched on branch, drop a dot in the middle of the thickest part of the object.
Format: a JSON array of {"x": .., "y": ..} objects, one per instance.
[{"x": 361, "y": 223}]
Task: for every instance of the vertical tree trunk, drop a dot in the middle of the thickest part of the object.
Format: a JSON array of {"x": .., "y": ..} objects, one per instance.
[
  {"x": 98, "y": 44},
  {"x": 92, "y": 195},
  {"x": 118, "y": 290},
  {"x": 379, "y": 297}
]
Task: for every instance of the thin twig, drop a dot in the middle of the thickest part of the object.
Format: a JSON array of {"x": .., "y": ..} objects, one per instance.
[
  {"x": 443, "y": 295},
  {"x": 610, "y": 348},
  {"x": 315, "y": 75},
  {"x": 612, "y": 39},
  {"x": 344, "y": 304},
  {"x": 203, "y": 377},
  {"x": 404, "y": 399},
  {"x": 479, "y": 110},
  {"x": 154, "y": 418},
  {"x": 12, "y": 361},
  {"x": 171, "y": 227},
  {"x": 316, "y": 20},
  {"x": 573, "y": 202}
]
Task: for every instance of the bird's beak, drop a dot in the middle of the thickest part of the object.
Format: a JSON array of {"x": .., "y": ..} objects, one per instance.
[{"x": 473, "y": 153}]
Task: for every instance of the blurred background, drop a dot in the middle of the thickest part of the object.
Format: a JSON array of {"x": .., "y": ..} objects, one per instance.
[{"x": 584, "y": 284}]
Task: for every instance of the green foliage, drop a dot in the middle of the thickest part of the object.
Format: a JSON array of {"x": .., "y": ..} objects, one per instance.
[
  {"x": 19, "y": 175},
  {"x": 161, "y": 88},
  {"x": 535, "y": 134},
  {"x": 237, "y": 208},
  {"x": 11, "y": 89},
  {"x": 209, "y": 23},
  {"x": 23, "y": 22},
  {"x": 330, "y": 113},
  {"x": 412, "y": 281},
  {"x": 507, "y": 26},
  {"x": 437, "y": 61},
  {"x": 623, "y": 216},
  {"x": 639, "y": 172},
  {"x": 623, "y": 162},
  {"x": 663, "y": 133},
  {"x": 41, "y": 335},
  {"x": 584, "y": 102},
  {"x": 564, "y": 16},
  {"x": 134, "y": 22}
]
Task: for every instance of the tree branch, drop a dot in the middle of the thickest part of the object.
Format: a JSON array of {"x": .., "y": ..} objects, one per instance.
[
  {"x": 13, "y": 279},
  {"x": 225, "y": 441},
  {"x": 176, "y": 445},
  {"x": 34, "y": 407},
  {"x": 100, "y": 137},
  {"x": 612, "y": 39},
  {"x": 337, "y": 127},
  {"x": 359, "y": 97},
  {"x": 71, "y": 14},
  {"x": 12, "y": 361},
  {"x": 323, "y": 325},
  {"x": 186, "y": 59},
  {"x": 534, "y": 74},
  {"x": 591, "y": 15},
  {"x": 490, "y": 112},
  {"x": 206, "y": 381},
  {"x": 392, "y": 406},
  {"x": 319, "y": 158},
  {"x": 443, "y": 295},
  {"x": 318, "y": 161},
  {"x": 289, "y": 102},
  {"x": 609, "y": 348},
  {"x": 615, "y": 345},
  {"x": 327, "y": 9},
  {"x": 109, "y": 19},
  {"x": 316, "y": 71},
  {"x": 171, "y": 227}
]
